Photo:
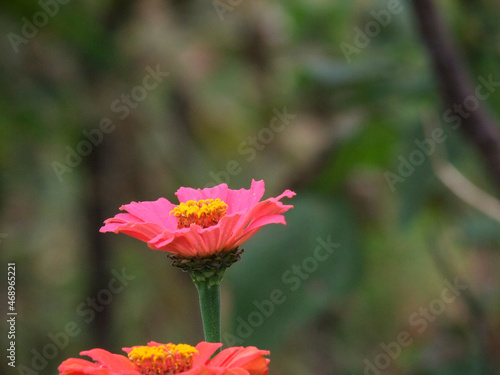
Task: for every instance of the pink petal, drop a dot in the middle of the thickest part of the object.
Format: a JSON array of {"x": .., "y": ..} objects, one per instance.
[
  {"x": 183, "y": 247},
  {"x": 141, "y": 231},
  {"x": 223, "y": 358},
  {"x": 243, "y": 200},
  {"x": 161, "y": 241},
  {"x": 237, "y": 200},
  {"x": 258, "y": 366},
  {"x": 185, "y": 242},
  {"x": 115, "y": 362},
  {"x": 205, "y": 351},
  {"x": 185, "y": 194},
  {"x": 157, "y": 212},
  {"x": 191, "y": 241},
  {"x": 209, "y": 370},
  {"x": 218, "y": 237},
  {"x": 238, "y": 356},
  {"x": 287, "y": 193},
  {"x": 247, "y": 357},
  {"x": 264, "y": 220},
  {"x": 124, "y": 217},
  {"x": 255, "y": 227},
  {"x": 236, "y": 371},
  {"x": 199, "y": 241},
  {"x": 271, "y": 206},
  {"x": 76, "y": 365}
]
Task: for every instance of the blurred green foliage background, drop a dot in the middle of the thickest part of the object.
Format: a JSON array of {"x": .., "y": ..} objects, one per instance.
[{"x": 242, "y": 90}]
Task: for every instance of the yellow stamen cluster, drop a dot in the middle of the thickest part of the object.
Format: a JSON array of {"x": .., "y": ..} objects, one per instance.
[
  {"x": 205, "y": 213},
  {"x": 167, "y": 359}
]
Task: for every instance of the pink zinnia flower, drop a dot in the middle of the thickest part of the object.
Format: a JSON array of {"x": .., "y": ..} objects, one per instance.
[
  {"x": 170, "y": 359},
  {"x": 206, "y": 221}
]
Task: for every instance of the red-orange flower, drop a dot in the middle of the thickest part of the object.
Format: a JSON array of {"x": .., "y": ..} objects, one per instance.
[
  {"x": 170, "y": 359},
  {"x": 206, "y": 221}
]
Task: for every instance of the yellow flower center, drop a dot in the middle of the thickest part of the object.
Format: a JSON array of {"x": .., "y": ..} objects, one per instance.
[
  {"x": 205, "y": 213},
  {"x": 163, "y": 359}
]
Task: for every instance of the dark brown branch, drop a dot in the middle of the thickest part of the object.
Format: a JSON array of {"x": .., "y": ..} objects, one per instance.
[{"x": 456, "y": 85}]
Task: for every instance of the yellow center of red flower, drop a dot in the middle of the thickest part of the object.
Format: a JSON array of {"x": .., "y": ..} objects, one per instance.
[
  {"x": 163, "y": 359},
  {"x": 205, "y": 213}
]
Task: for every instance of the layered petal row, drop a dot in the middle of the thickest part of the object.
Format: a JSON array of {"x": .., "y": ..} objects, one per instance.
[
  {"x": 154, "y": 223},
  {"x": 235, "y": 360}
]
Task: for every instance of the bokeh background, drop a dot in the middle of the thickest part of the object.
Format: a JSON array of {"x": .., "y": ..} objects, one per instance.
[{"x": 368, "y": 110}]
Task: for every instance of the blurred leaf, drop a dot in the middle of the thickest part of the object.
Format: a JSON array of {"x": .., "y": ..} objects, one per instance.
[{"x": 270, "y": 263}]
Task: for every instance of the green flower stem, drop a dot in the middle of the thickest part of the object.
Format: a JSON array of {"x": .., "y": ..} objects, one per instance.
[
  {"x": 209, "y": 294},
  {"x": 207, "y": 273}
]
